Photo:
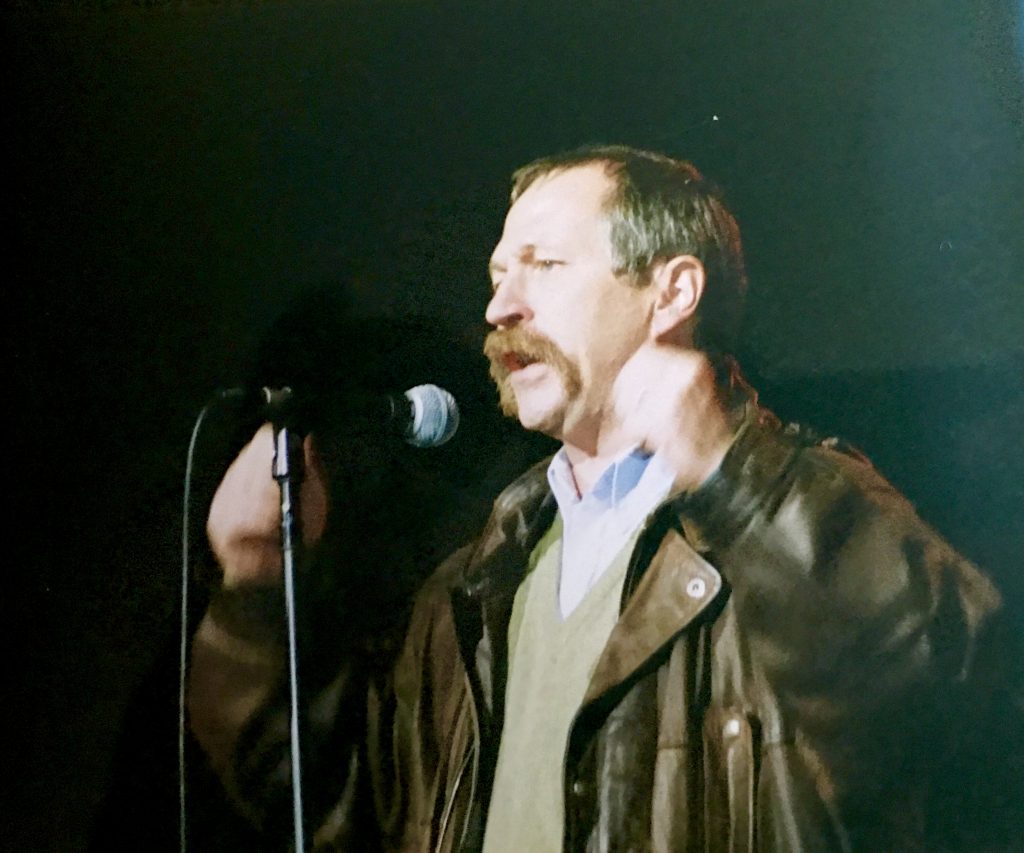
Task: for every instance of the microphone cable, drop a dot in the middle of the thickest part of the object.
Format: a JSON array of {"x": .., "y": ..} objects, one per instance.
[{"x": 183, "y": 651}]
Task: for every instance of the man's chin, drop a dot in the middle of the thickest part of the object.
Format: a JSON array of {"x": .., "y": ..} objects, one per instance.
[
  {"x": 537, "y": 409},
  {"x": 545, "y": 419}
]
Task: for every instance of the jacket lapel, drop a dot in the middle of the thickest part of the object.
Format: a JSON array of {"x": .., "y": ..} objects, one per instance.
[
  {"x": 676, "y": 588},
  {"x": 482, "y": 598}
]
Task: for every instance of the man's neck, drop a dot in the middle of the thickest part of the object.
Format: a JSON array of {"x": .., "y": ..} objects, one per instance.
[
  {"x": 682, "y": 417},
  {"x": 587, "y": 467}
]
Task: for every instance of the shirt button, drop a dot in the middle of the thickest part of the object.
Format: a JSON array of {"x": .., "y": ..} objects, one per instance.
[
  {"x": 696, "y": 588},
  {"x": 732, "y": 727}
]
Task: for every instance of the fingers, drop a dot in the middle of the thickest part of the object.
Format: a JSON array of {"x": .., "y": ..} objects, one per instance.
[{"x": 245, "y": 517}]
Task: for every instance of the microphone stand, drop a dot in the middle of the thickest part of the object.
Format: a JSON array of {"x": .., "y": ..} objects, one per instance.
[{"x": 288, "y": 474}]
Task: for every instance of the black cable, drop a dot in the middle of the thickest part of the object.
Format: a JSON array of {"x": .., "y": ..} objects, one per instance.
[{"x": 183, "y": 658}]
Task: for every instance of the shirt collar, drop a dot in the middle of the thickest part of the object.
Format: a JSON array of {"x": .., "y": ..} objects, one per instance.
[{"x": 618, "y": 480}]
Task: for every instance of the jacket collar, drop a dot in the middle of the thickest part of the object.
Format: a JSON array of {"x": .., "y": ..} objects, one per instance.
[{"x": 522, "y": 514}]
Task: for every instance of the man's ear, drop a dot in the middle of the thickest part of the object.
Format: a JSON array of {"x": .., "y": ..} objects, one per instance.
[{"x": 679, "y": 285}]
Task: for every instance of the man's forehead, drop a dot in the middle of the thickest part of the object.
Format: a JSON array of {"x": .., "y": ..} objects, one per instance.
[
  {"x": 578, "y": 189},
  {"x": 555, "y": 207}
]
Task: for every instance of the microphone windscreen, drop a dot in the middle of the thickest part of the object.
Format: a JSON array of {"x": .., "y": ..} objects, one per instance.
[{"x": 435, "y": 416}]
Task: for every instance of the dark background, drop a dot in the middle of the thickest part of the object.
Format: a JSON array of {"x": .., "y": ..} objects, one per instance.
[{"x": 182, "y": 174}]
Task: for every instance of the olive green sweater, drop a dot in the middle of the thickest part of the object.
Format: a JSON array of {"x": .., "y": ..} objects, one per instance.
[{"x": 550, "y": 664}]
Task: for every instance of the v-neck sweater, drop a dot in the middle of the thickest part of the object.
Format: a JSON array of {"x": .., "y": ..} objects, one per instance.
[{"x": 551, "y": 660}]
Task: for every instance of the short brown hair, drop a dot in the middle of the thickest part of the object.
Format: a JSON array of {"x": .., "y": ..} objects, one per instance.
[{"x": 661, "y": 207}]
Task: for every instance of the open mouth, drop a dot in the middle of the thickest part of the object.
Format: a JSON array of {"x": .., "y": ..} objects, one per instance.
[{"x": 514, "y": 361}]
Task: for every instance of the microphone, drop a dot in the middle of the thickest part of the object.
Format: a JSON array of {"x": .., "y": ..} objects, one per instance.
[{"x": 424, "y": 416}]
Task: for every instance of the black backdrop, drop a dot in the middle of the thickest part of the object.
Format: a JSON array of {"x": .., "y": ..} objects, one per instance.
[{"x": 180, "y": 175}]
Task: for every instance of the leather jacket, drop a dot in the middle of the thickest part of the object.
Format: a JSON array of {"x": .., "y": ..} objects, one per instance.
[{"x": 796, "y": 663}]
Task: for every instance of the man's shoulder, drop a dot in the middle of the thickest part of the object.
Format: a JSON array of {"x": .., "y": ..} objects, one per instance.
[
  {"x": 831, "y": 473},
  {"x": 806, "y": 522},
  {"x": 831, "y": 488},
  {"x": 507, "y": 533},
  {"x": 771, "y": 467}
]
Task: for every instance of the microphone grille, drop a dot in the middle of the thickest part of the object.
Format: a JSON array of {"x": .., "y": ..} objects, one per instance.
[{"x": 435, "y": 416}]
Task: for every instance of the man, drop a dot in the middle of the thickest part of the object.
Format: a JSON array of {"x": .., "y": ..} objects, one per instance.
[{"x": 690, "y": 630}]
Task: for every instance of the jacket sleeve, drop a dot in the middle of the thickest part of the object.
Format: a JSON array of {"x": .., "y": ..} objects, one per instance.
[
  {"x": 370, "y": 755},
  {"x": 879, "y": 646},
  {"x": 421, "y": 728},
  {"x": 238, "y": 711}
]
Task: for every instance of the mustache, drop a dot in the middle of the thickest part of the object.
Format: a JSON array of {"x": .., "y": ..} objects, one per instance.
[{"x": 529, "y": 345}]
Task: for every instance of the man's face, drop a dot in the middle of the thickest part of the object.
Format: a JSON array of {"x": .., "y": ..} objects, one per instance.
[{"x": 565, "y": 323}]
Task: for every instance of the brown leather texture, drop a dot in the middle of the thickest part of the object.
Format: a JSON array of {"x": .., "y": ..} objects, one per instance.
[{"x": 800, "y": 664}]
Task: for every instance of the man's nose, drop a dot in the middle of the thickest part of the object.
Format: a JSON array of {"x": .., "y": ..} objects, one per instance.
[{"x": 508, "y": 306}]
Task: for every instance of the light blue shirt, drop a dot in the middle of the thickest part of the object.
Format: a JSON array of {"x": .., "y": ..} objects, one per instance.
[{"x": 596, "y": 526}]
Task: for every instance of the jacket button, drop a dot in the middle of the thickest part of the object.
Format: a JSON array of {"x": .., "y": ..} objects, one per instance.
[
  {"x": 732, "y": 727},
  {"x": 578, "y": 788},
  {"x": 696, "y": 588}
]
